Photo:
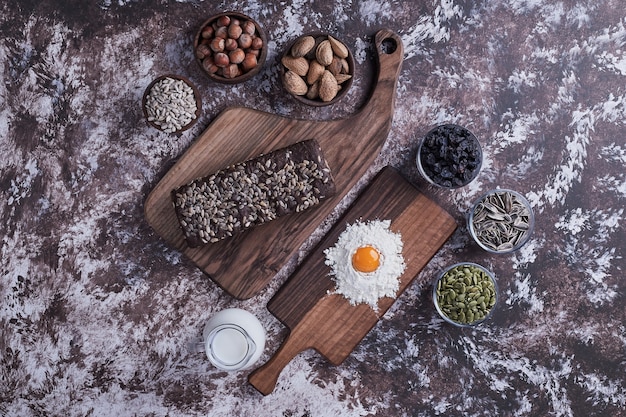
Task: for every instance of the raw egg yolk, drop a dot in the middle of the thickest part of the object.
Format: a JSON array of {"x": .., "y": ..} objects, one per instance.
[{"x": 366, "y": 259}]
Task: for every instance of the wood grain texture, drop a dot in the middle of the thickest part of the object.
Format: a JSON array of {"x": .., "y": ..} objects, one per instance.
[
  {"x": 243, "y": 265},
  {"x": 329, "y": 323}
]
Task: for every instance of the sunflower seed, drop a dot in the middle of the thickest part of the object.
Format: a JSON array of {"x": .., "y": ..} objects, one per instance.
[{"x": 501, "y": 221}]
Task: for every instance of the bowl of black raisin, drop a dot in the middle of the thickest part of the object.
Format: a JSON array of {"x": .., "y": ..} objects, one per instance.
[{"x": 449, "y": 156}]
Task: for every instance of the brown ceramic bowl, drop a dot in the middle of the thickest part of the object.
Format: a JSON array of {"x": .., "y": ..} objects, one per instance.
[
  {"x": 227, "y": 68},
  {"x": 160, "y": 126},
  {"x": 345, "y": 86}
]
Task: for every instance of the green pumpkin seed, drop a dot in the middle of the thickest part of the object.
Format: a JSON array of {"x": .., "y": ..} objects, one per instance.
[{"x": 466, "y": 294}]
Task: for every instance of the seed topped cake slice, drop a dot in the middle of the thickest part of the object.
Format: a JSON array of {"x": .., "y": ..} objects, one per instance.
[{"x": 250, "y": 193}]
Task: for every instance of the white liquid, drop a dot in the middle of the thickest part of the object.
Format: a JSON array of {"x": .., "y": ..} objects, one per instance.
[
  {"x": 227, "y": 347},
  {"x": 230, "y": 346}
]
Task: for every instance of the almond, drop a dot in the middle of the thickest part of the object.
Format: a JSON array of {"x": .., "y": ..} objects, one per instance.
[
  {"x": 324, "y": 53},
  {"x": 314, "y": 91},
  {"x": 298, "y": 65},
  {"x": 328, "y": 86},
  {"x": 338, "y": 48},
  {"x": 302, "y": 46},
  {"x": 345, "y": 66},
  {"x": 335, "y": 65},
  {"x": 315, "y": 72},
  {"x": 295, "y": 84},
  {"x": 342, "y": 78}
]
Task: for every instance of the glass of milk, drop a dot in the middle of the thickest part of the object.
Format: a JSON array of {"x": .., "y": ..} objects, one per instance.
[{"x": 233, "y": 339}]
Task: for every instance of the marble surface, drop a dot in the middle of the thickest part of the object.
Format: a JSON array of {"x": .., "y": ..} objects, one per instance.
[{"x": 96, "y": 310}]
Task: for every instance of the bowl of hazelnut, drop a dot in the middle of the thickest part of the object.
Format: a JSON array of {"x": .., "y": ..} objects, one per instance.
[
  {"x": 230, "y": 47},
  {"x": 317, "y": 69}
]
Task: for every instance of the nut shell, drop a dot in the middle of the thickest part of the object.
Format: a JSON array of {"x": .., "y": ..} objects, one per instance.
[
  {"x": 315, "y": 72},
  {"x": 245, "y": 41},
  {"x": 335, "y": 65},
  {"x": 221, "y": 59},
  {"x": 298, "y": 65},
  {"x": 324, "y": 53},
  {"x": 302, "y": 46},
  {"x": 339, "y": 48},
  {"x": 234, "y": 31},
  {"x": 223, "y": 20},
  {"x": 249, "y": 62},
  {"x": 328, "y": 86},
  {"x": 314, "y": 91},
  {"x": 257, "y": 43},
  {"x": 217, "y": 44},
  {"x": 294, "y": 83},
  {"x": 231, "y": 71},
  {"x": 342, "y": 78},
  {"x": 208, "y": 64},
  {"x": 202, "y": 51},
  {"x": 237, "y": 56},
  {"x": 248, "y": 28}
]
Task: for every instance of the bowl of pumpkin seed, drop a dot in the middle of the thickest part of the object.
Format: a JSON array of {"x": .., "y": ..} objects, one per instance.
[
  {"x": 465, "y": 294},
  {"x": 501, "y": 221}
]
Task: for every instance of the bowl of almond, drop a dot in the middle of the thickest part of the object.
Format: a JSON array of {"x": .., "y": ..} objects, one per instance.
[
  {"x": 230, "y": 47},
  {"x": 317, "y": 69}
]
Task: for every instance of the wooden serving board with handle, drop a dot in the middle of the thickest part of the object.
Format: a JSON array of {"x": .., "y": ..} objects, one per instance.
[
  {"x": 327, "y": 322},
  {"x": 244, "y": 264}
]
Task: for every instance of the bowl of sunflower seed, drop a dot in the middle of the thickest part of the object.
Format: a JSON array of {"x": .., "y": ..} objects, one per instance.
[{"x": 501, "y": 221}]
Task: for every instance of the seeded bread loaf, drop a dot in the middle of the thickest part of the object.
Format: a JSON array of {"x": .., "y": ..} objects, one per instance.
[{"x": 253, "y": 192}]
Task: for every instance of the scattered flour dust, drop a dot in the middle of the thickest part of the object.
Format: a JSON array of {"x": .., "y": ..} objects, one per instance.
[{"x": 359, "y": 287}]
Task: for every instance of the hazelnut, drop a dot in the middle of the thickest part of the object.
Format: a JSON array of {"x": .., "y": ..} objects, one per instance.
[
  {"x": 221, "y": 32},
  {"x": 248, "y": 28},
  {"x": 257, "y": 43},
  {"x": 217, "y": 45},
  {"x": 245, "y": 41},
  {"x": 234, "y": 31},
  {"x": 223, "y": 21},
  {"x": 221, "y": 59},
  {"x": 230, "y": 44},
  {"x": 231, "y": 71},
  {"x": 203, "y": 51},
  {"x": 237, "y": 56},
  {"x": 249, "y": 62},
  {"x": 207, "y": 32},
  {"x": 208, "y": 64}
]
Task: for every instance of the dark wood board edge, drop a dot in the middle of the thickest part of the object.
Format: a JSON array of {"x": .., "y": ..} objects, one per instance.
[
  {"x": 327, "y": 322},
  {"x": 272, "y": 131}
]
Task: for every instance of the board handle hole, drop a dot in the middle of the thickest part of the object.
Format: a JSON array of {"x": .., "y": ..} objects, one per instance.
[{"x": 388, "y": 46}]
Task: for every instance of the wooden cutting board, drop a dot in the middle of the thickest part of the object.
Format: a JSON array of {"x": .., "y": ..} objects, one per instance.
[
  {"x": 329, "y": 323},
  {"x": 244, "y": 264}
]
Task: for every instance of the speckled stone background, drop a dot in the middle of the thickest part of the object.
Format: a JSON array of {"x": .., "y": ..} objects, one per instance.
[{"x": 96, "y": 309}]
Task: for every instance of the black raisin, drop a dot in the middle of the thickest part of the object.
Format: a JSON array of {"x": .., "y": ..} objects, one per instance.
[{"x": 450, "y": 156}]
